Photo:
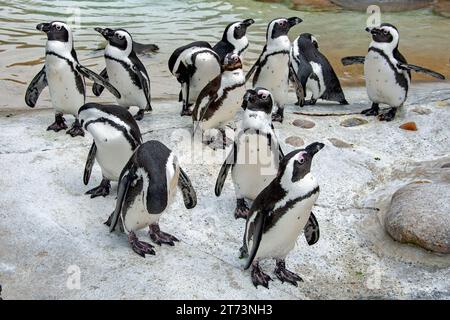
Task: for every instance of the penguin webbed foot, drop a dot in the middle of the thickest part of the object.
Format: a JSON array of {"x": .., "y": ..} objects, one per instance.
[
  {"x": 276, "y": 117},
  {"x": 259, "y": 277},
  {"x": 186, "y": 111},
  {"x": 160, "y": 237},
  {"x": 373, "y": 111},
  {"x": 310, "y": 102},
  {"x": 241, "y": 210},
  {"x": 76, "y": 129},
  {"x": 388, "y": 115},
  {"x": 101, "y": 190},
  {"x": 139, "y": 115},
  {"x": 140, "y": 247},
  {"x": 285, "y": 275},
  {"x": 58, "y": 125},
  {"x": 243, "y": 252}
]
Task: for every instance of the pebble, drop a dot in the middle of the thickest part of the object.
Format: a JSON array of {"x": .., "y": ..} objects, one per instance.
[
  {"x": 305, "y": 124},
  {"x": 353, "y": 122},
  {"x": 339, "y": 143},
  {"x": 411, "y": 126},
  {"x": 294, "y": 141}
]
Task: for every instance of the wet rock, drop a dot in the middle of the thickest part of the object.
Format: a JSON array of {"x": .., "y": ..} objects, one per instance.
[
  {"x": 321, "y": 5},
  {"x": 385, "y": 5},
  {"x": 421, "y": 111},
  {"x": 411, "y": 126},
  {"x": 445, "y": 165},
  {"x": 353, "y": 122},
  {"x": 294, "y": 141},
  {"x": 339, "y": 143},
  {"x": 442, "y": 8},
  {"x": 419, "y": 214},
  {"x": 305, "y": 124}
]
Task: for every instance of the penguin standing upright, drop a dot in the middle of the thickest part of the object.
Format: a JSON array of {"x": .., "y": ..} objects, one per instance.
[
  {"x": 272, "y": 66},
  {"x": 256, "y": 152},
  {"x": 147, "y": 187},
  {"x": 125, "y": 71},
  {"x": 116, "y": 136},
  {"x": 64, "y": 76},
  {"x": 194, "y": 65},
  {"x": 314, "y": 72},
  {"x": 218, "y": 103},
  {"x": 387, "y": 73},
  {"x": 280, "y": 213},
  {"x": 234, "y": 39}
]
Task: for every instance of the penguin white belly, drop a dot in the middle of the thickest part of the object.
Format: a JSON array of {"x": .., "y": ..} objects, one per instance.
[
  {"x": 381, "y": 84},
  {"x": 63, "y": 89},
  {"x": 256, "y": 166},
  {"x": 207, "y": 69},
  {"x": 137, "y": 216},
  {"x": 113, "y": 149},
  {"x": 316, "y": 84},
  {"x": 279, "y": 240},
  {"x": 130, "y": 94},
  {"x": 172, "y": 175},
  {"x": 274, "y": 77}
]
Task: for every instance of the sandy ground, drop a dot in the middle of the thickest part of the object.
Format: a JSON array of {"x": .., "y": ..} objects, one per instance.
[{"x": 50, "y": 229}]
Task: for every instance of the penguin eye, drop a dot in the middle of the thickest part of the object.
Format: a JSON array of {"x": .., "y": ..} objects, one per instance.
[
  {"x": 385, "y": 32},
  {"x": 301, "y": 160},
  {"x": 120, "y": 36},
  {"x": 58, "y": 27},
  {"x": 238, "y": 26}
]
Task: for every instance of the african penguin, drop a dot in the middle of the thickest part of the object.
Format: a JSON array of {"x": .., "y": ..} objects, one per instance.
[
  {"x": 116, "y": 136},
  {"x": 314, "y": 72},
  {"x": 256, "y": 152},
  {"x": 194, "y": 65},
  {"x": 147, "y": 187},
  {"x": 387, "y": 73},
  {"x": 272, "y": 66},
  {"x": 280, "y": 213},
  {"x": 234, "y": 39},
  {"x": 64, "y": 76},
  {"x": 218, "y": 103},
  {"x": 125, "y": 71}
]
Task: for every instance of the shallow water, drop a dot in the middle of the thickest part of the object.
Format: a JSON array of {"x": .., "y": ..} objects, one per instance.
[{"x": 425, "y": 38}]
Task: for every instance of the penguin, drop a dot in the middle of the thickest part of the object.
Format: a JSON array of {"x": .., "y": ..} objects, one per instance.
[
  {"x": 116, "y": 136},
  {"x": 272, "y": 67},
  {"x": 280, "y": 213},
  {"x": 194, "y": 65},
  {"x": 314, "y": 71},
  {"x": 147, "y": 187},
  {"x": 125, "y": 71},
  {"x": 64, "y": 76},
  {"x": 234, "y": 39},
  {"x": 256, "y": 152},
  {"x": 387, "y": 73},
  {"x": 218, "y": 103}
]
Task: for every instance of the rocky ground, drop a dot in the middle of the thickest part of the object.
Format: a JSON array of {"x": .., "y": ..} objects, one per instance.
[{"x": 50, "y": 231}]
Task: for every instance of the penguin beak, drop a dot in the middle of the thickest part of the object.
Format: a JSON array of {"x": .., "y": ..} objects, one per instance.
[
  {"x": 248, "y": 22},
  {"x": 106, "y": 32},
  {"x": 45, "y": 27},
  {"x": 373, "y": 30},
  {"x": 293, "y": 21},
  {"x": 249, "y": 96},
  {"x": 313, "y": 148}
]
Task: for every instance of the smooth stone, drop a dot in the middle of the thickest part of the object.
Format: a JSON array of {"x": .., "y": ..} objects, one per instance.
[
  {"x": 411, "y": 126},
  {"x": 353, "y": 122},
  {"x": 305, "y": 124},
  {"x": 294, "y": 141},
  {"x": 446, "y": 165},
  {"x": 422, "y": 111},
  {"x": 442, "y": 8},
  {"x": 339, "y": 143},
  {"x": 419, "y": 214},
  {"x": 321, "y": 5}
]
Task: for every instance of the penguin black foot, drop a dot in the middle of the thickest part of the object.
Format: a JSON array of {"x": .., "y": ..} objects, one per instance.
[
  {"x": 76, "y": 130},
  {"x": 343, "y": 102},
  {"x": 373, "y": 111},
  {"x": 186, "y": 111},
  {"x": 101, "y": 190},
  {"x": 278, "y": 116},
  {"x": 259, "y": 277},
  {"x": 310, "y": 102},
  {"x": 160, "y": 237},
  {"x": 58, "y": 125},
  {"x": 285, "y": 275},
  {"x": 241, "y": 210},
  {"x": 139, "y": 115},
  {"x": 243, "y": 252},
  {"x": 388, "y": 115},
  {"x": 140, "y": 247}
]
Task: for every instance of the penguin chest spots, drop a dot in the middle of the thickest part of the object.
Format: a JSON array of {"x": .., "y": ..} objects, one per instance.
[
  {"x": 381, "y": 83},
  {"x": 274, "y": 77}
]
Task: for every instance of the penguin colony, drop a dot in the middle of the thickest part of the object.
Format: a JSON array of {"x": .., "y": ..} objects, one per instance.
[{"x": 275, "y": 193}]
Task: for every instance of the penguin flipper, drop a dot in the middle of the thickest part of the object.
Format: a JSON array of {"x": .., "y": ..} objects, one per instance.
[
  {"x": 299, "y": 86},
  {"x": 97, "y": 89},
  {"x": 253, "y": 68},
  {"x": 311, "y": 230},
  {"x": 122, "y": 190},
  {"x": 98, "y": 79},
  {"x": 255, "y": 231},
  {"x": 89, "y": 164},
  {"x": 347, "y": 61},
  {"x": 35, "y": 88},
  {"x": 223, "y": 173},
  {"x": 145, "y": 86},
  {"x": 189, "y": 195},
  {"x": 415, "y": 68}
]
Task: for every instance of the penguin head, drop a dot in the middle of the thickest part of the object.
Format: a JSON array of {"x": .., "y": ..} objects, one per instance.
[
  {"x": 231, "y": 62},
  {"x": 310, "y": 38},
  {"x": 386, "y": 34},
  {"x": 56, "y": 31},
  {"x": 281, "y": 26},
  {"x": 258, "y": 99},
  {"x": 297, "y": 164},
  {"x": 236, "y": 30},
  {"x": 118, "y": 38}
]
